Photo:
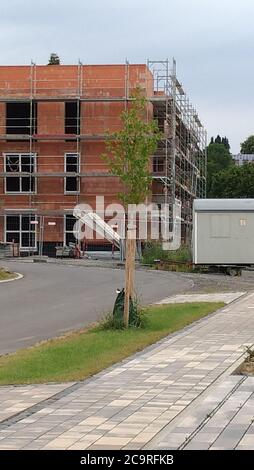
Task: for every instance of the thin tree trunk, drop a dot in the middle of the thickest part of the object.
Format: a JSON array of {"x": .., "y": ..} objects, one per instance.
[
  {"x": 132, "y": 270},
  {"x": 127, "y": 290},
  {"x": 129, "y": 276}
]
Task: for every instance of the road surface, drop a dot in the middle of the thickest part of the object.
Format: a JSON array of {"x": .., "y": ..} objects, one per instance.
[{"x": 52, "y": 299}]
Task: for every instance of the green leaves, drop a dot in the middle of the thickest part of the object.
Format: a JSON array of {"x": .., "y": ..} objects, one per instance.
[
  {"x": 248, "y": 145},
  {"x": 234, "y": 182},
  {"x": 129, "y": 151},
  {"x": 218, "y": 159},
  {"x": 54, "y": 59}
]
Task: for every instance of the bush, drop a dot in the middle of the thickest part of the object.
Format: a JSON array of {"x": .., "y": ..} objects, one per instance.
[
  {"x": 115, "y": 321},
  {"x": 154, "y": 251},
  {"x": 183, "y": 254},
  {"x": 110, "y": 322}
]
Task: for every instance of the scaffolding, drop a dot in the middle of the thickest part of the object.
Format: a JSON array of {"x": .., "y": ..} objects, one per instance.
[
  {"x": 178, "y": 168},
  {"x": 181, "y": 172}
]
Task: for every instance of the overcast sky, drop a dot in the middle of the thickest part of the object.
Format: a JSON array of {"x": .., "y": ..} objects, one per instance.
[{"x": 212, "y": 41}]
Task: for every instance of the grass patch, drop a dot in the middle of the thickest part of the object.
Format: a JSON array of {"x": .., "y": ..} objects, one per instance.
[
  {"x": 5, "y": 275},
  {"x": 82, "y": 354}
]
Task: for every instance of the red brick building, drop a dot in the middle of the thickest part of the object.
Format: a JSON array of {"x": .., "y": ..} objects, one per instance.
[{"x": 53, "y": 122}]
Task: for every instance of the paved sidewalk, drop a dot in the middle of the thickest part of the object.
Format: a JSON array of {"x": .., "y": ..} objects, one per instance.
[
  {"x": 226, "y": 297},
  {"x": 131, "y": 404},
  {"x": 223, "y": 420},
  {"x": 14, "y": 400},
  {"x": 232, "y": 425}
]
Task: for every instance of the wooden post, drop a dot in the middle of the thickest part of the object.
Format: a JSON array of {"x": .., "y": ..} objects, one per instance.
[
  {"x": 129, "y": 274},
  {"x": 132, "y": 270},
  {"x": 127, "y": 284}
]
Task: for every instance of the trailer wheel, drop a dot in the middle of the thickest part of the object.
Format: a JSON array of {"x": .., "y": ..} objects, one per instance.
[{"x": 233, "y": 272}]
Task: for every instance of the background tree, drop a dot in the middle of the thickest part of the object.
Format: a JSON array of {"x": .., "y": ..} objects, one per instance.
[
  {"x": 234, "y": 182},
  {"x": 218, "y": 159},
  {"x": 225, "y": 142},
  {"x": 129, "y": 157},
  {"x": 54, "y": 59},
  {"x": 248, "y": 145},
  {"x": 220, "y": 140}
]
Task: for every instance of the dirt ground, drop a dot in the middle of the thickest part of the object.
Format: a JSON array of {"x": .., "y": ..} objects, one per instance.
[
  {"x": 246, "y": 368},
  {"x": 208, "y": 283}
]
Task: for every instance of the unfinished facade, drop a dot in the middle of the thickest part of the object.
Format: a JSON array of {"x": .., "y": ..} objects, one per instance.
[{"x": 53, "y": 123}]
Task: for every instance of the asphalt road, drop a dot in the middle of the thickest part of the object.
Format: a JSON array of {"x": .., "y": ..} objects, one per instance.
[{"x": 52, "y": 299}]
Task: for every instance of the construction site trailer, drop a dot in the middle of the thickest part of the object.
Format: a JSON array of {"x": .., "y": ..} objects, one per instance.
[{"x": 223, "y": 232}]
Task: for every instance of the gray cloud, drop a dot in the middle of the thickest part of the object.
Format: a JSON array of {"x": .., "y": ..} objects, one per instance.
[{"x": 212, "y": 42}]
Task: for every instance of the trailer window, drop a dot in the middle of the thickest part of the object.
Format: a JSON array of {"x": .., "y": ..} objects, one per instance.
[{"x": 220, "y": 225}]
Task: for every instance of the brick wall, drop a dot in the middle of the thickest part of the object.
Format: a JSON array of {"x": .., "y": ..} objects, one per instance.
[{"x": 66, "y": 82}]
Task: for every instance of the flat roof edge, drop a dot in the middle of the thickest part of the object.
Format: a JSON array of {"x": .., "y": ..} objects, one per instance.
[{"x": 245, "y": 204}]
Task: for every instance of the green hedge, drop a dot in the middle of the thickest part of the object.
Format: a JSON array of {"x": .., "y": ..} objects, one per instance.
[{"x": 154, "y": 251}]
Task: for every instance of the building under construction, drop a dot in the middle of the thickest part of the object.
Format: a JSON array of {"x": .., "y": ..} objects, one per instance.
[{"x": 53, "y": 124}]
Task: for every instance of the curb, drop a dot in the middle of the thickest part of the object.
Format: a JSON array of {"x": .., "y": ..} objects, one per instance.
[{"x": 17, "y": 278}]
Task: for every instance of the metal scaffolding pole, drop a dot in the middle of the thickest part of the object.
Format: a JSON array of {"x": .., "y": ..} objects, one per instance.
[{"x": 184, "y": 147}]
